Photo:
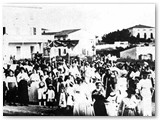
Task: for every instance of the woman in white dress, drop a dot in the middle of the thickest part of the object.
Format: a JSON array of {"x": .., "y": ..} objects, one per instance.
[
  {"x": 33, "y": 90},
  {"x": 128, "y": 106},
  {"x": 82, "y": 106},
  {"x": 112, "y": 106},
  {"x": 121, "y": 87},
  {"x": 144, "y": 86}
]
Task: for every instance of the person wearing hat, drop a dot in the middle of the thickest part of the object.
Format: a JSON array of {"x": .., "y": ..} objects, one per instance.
[
  {"x": 98, "y": 96},
  {"x": 144, "y": 86}
]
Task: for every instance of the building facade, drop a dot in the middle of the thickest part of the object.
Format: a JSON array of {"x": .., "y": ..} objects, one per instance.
[
  {"x": 139, "y": 53},
  {"x": 81, "y": 41},
  {"x": 142, "y": 31},
  {"x": 21, "y": 32}
]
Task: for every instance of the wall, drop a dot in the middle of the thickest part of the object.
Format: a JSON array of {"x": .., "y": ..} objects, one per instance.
[
  {"x": 130, "y": 53},
  {"x": 134, "y": 53},
  {"x": 99, "y": 47},
  {"x": 86, "y": 41},
  {"x": 25, "y": 50},
  {"x": 146, "y": 50},
  {"x": 121, "y": 44},
  {"x": 55, "y": 51},
  {"x": 19, "y": 23}
]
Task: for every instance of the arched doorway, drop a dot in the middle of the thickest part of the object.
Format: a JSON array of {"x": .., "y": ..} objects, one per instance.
[
  {"x": 145, "y": 35},
  {"x": 151, "y": 35}
]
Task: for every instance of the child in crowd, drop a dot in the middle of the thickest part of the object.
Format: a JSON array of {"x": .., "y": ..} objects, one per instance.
[
  {"x": 50, "y": 96},
  {"x": 62, "y": 101},
  {"x": 42, "y": 92}
]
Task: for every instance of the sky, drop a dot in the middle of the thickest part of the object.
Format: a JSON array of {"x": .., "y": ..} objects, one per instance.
[{"x": 98, "y": 19}]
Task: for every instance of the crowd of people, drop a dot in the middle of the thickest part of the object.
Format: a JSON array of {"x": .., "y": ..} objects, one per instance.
[{"x": 103, "y": 87}]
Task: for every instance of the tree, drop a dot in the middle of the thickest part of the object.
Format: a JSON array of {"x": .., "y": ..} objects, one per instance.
[{"x": 123, "y": 35}]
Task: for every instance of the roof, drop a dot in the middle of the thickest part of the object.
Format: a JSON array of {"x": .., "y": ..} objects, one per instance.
[
  {"x": 61, "y": 33},
  {"x": 49, "y": 33},
  {"x": 140, "y": 26},
  {"x": 65, "y": 32}
]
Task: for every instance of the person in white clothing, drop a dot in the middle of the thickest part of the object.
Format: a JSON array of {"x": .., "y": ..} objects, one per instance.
[
  {"x": 42, "y": 92},
  {"x": 33, "y": 89},
  {"x": 50, "y": 96},
  {"x": 144, "y": 86}
]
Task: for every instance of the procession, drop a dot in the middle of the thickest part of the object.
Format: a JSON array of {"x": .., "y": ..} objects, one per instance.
[
  {"x": 100, "y": 88},
  {"x": 62, "y": 60}
]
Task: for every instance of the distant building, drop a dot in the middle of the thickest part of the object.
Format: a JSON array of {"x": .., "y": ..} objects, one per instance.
[
  {"x": 139, "y": 53},
  {"x": 142, "y": 31},
  {"x": 82, "y": 42},
  {"x": 21, "y": 32},
  {"x": 122, "y": 44}
]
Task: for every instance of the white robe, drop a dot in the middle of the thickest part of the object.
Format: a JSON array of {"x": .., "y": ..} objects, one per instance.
[
  {"x": 145, "y": 86},
  {"x": 82, "y": 105}
]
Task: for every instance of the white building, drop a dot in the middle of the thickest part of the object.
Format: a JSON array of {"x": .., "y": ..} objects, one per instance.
[
  {"x": 143, "y": 52},
  {"x": 85, "y": 44},
  {"x": 21, "y": 32},
  {"x": 122, "y": 44},
  {"x": 142, "y": 31}
]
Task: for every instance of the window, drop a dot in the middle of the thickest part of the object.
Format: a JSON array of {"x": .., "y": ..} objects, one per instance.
[
  {"x": 151, "y": 35},
  {"x": 138, "y": 35},
  {"x": 140, "y": 57},
  {"x": 145, "y": 35},
  {"x": 150, "y": 56},
  {"x": 4, "y": 30},
  {"x": 32, "y": 49},
  {"x": 34, "y": 31},
  {"x": 59, "y": 51},
  {"x": 64, "y": 51}
]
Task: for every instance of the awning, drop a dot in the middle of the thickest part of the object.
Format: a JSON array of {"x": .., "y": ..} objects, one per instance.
[{"x": 64, "y": 43}]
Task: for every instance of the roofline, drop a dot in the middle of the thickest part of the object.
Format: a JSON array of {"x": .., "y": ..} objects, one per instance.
[
  {"x": 54, "y": 33},
  {"x": 136, "y": 26}
]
